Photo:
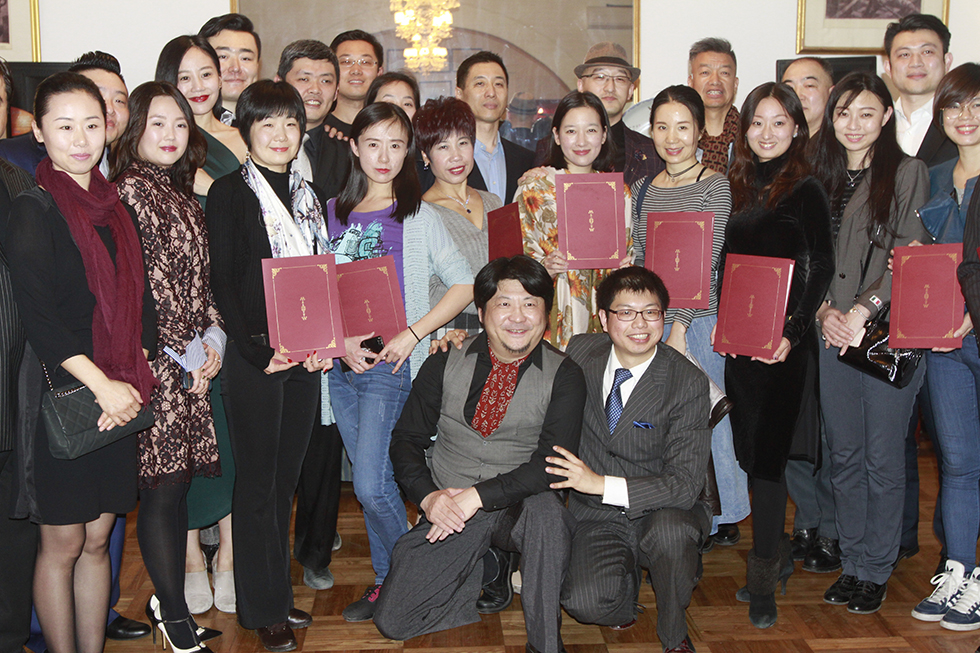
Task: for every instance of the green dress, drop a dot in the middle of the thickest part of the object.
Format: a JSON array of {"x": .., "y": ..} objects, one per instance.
[{"x": 209, "y": 499}]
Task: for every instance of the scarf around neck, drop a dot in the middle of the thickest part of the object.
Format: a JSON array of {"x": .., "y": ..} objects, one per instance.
[
  {"x": 300, "y": 232},
  {"x": 714, "y": 149},
  {"x": 118, "y": 287}
]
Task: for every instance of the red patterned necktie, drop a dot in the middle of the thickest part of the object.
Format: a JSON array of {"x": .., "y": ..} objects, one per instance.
[{"x": 496, "y": 395}]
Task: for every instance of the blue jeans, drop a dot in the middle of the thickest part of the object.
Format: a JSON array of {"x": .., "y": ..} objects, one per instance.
[
  {"x": 733, "y": 488},
  {"x": 954, "y": 386},
  {"x": 366, "y": 407}
]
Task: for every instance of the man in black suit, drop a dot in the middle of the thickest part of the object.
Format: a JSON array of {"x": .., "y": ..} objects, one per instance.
[
  {"x": 606, "y": 74},
  {"x": 643, "y": 464},
  {"x": 481, "y": 82}
]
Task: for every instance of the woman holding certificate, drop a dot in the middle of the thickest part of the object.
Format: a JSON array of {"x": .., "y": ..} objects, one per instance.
[
  {"x": 154, "y": 166},
  {"x": 778, "y": 211},
  {"x": 378, "y": 214},
  {"x": 263, "y": 211},
  {"x": 77, "y": 273},
  {"x": 953, "y": 376},
  {"x": 581, "y": 145},
  {"x": 677, "y": 117},
  {"x": 875, "y": 190}
]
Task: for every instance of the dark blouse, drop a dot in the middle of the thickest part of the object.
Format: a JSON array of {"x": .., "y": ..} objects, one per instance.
[
  {"x": 237, "y": 243},
  {"x": 50, "y": 285}
]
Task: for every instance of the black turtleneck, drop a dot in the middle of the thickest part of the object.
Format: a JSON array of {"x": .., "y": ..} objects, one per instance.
[
  {"x": 617, "y": 136},
  {"x": 280, "y": 184}
]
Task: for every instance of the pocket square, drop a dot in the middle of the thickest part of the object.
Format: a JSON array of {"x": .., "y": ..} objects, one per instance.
[{"x": 643, "y": 425}]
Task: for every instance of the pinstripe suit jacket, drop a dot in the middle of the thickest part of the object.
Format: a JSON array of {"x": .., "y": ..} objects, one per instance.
[{"x": 664, "y": 466}]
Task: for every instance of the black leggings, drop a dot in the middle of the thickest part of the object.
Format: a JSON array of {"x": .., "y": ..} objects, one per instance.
[
  {"x": 161, "y": 528},
  {"x": 768, "y": 515}
]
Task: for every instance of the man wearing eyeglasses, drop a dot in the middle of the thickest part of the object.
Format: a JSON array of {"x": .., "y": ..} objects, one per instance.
[
  {"x": 606, "y": 74},
  {"x": 361, "y": 60},
  {"x": 642, "y": 465}
]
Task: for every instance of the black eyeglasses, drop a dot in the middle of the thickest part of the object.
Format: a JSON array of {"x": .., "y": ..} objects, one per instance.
[{"x": 629, "y": 314}]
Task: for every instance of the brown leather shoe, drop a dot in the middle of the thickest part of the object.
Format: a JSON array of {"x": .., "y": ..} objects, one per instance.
[
  {"x": 298, "y": 619},
  {"x": 277, "y": 637}
]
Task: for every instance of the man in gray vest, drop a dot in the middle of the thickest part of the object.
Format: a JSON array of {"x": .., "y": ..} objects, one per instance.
[
  {"x": 499, "y": 405},
  {"x": 644, "y": 457}
]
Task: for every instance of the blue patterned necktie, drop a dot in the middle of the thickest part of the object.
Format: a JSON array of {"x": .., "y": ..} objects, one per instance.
[{"x": 614, "y": 402}]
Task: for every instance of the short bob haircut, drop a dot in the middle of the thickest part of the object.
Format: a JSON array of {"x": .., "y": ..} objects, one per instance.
[
  {"x": 389, "y": 78},
  {"x": 524, "y": 269},
  {"x": 408, "y": 193},
  {"x": 576, "y": 100},
  {"x": 959, "y": 85},
  {"x": 631, "y": 279},
  {"x": 126, "y": 152},
  {"x": 59, "y": 83},
  {"x": 172, "y": 54},
  {"x": 266, "y": 98},
  {"x": 439, "y": 119},
  {"x": 743, "y": 173},
  {"x": 684, "y": 95}
]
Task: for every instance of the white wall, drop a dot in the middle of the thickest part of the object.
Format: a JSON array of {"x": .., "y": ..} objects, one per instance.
[
  {"x": 133, "y": 30},
  {"x": 761, "y": 31}
]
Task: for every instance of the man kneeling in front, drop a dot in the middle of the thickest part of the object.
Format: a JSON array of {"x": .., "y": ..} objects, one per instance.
[
  {"x": 499, "y": 405},
  {"x": 642, "y": 466}
]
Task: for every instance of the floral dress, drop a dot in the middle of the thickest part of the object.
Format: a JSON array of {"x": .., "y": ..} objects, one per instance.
[
  {"x": 574, "y": 310},
  {"x": 181, "y": 444}
]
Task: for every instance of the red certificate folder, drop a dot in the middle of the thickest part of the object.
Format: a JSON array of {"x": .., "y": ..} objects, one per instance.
[
  {"x": 752, "y": 307},
  {"x": 927, "y": 304},
  {"x": 302, "y": 307},
  {"x": 679, "y": 251},
  {"x": 370, "y": 298},
  {"x": 504, "y": 231},
  {"x": 591, "y": 212}
]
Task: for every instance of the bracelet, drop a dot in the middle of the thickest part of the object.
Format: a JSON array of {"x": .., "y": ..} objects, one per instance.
[
  {"x": 414, "y": 334},
  {"x": 855, "y": 310}
]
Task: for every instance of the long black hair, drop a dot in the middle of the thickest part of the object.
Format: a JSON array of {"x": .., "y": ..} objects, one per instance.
[
  {"x": 408, "y": 193},
  {"x": 830, "y": 163},
  {"x": 577, "y": 100}
]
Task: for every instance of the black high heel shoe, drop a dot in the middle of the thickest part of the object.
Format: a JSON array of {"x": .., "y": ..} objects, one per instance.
[
  {"x": 154, "y": 615},
  {"x": 185, "y": 629}
]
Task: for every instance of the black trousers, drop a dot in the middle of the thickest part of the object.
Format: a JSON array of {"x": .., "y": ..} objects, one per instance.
[
  {"x": 318, "y": 497},
  {"x": 270, "y": 418},
  {"x": 18, "y": 544}
]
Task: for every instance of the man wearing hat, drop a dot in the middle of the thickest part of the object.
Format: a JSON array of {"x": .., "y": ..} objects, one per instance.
[{"x": 606, "y": 74}]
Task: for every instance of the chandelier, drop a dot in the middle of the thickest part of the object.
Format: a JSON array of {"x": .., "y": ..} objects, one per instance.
[{"x": 424, "y": 24}]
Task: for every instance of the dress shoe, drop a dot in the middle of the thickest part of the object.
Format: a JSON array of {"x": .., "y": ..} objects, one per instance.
[
  {"x": 709, "y": 543},
  {"x": 721, "y": 408},
  {"x": 318, "y": 580},
  {"x": 803, "y": 539},
  {"x": 298, "y": 619},
  {"x": 905, "y": 552},
  {"x": 154, "y": 615},
  {"x": 498, "y": 593},
  {"x": 181, "y": 636},
  {"x": 841, "y": 592},
  {"x": 123, "y": 628},
  {"x": 867, "y": 597},
  {"x": 823, "y": 557},
  {"x": 277, "y": 637},
  {"x": 626, "y": 626},
  {"x": 684, "y": 647},
  {"x": 727, "y": 535}
]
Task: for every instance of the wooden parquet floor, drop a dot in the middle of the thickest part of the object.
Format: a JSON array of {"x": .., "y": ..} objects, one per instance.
[{"x": 717, "y": 623}]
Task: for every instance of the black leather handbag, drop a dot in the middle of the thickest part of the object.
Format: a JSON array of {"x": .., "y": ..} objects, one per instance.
[
  {"x": 71, "y": 418},
  {"x": 873, "y": 356}
]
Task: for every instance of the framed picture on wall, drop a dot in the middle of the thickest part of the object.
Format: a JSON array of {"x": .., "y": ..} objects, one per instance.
[
  {"x": 854, "y": 26},
  {"x": 19, "y": 30}
]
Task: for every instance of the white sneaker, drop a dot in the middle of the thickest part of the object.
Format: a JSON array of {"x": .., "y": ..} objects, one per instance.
[
  {"x": 964, "y": 613},
  {"x": 948, "y": 584}
]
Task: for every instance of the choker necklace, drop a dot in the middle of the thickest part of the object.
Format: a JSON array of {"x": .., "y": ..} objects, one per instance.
[
  {"x": 674, "y": 176},
  {"x": 465, "y": 204}
]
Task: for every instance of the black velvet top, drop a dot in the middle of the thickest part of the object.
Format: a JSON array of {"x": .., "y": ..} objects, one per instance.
[{"x": 797, "y": 228}]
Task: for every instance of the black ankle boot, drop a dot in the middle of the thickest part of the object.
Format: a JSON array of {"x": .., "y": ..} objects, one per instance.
[
  {"x": 498, "y": 593},
  {"x": 761, "y": 576}
]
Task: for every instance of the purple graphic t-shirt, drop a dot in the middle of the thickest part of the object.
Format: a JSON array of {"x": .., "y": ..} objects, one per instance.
[{"x": 366, "y": 235}]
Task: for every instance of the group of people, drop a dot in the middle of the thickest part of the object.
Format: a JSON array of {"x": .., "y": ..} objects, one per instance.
[{"x": 569, "y": 423}]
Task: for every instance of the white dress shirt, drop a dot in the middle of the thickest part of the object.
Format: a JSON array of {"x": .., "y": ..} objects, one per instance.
[
  {"x": 616, "y": 492},
  {"x": 910, "y": 130}
]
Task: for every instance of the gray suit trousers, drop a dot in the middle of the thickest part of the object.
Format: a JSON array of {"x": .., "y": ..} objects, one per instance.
[
  {"x": 434, "y": 586},
  {"x": 603, "y": 580}
]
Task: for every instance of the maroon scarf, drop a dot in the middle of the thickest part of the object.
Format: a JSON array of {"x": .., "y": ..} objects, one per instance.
[
  {"x": 497, "y": 393},
  {"x": 118, "y": 289},
  {"x": 714, "y": 149}
]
